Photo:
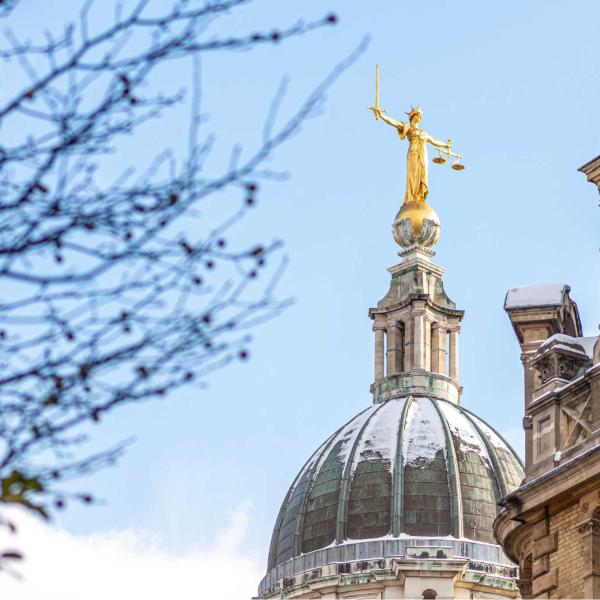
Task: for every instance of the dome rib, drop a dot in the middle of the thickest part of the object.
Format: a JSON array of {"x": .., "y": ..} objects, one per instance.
[
  {"x": 505, "y": 442},
  {"x": 342, "y": 507},
  {"x": 276, "y": 529},
  {"x": 297, "y": 545},
  {"x": 497, "y": 468},
  {"x": 414, "y": 465},
  {"x": 309, "y": 471},
  {"x": 398, "y": 475},
  {"x": 453, "y": 477}
]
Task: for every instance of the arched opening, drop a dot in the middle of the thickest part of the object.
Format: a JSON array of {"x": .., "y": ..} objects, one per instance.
[
  {"x": 447, "y": 351},
  {"x": 400, "y": 334},
  {"x": 429, "y": 594}
]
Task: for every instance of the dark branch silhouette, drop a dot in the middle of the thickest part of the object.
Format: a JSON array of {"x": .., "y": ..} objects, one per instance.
[{"x": 115, "y": 286}]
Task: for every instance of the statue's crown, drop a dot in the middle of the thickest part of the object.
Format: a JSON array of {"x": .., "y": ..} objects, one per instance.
[{"x": 415, "y": 110}]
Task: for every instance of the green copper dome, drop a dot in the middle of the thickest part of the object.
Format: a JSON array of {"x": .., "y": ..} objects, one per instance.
[{"x": 406, "y": 467}]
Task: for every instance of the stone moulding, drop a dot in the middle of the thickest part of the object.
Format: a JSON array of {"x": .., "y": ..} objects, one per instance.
[
  {"x": 474, "y": 559},
  {"x": 417, "y": 383}
]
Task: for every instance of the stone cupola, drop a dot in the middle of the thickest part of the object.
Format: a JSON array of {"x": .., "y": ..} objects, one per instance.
[{"x": 416, "y": 330}]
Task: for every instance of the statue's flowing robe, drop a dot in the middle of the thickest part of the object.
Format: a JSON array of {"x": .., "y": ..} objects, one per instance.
[{"x": 416, "y": 167}]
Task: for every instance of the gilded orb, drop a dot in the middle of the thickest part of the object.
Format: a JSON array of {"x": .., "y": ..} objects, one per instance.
[{"x": 416, "y": 224}]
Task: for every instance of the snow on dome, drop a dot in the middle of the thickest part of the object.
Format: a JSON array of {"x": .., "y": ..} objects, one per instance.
[
  {"x": 450, "y": 472},
  {"x": 545, "y": 294},
  {"x": 350, "y": 433},
  {"x": 467, "y": 436},
  {"x": 507, "y": 457},
  {"x": 378, "y": 440},
  {"x": 424, "y": 436}
]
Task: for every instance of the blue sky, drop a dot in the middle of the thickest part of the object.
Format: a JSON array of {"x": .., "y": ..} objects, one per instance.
[{"x": 516, "y": 86}]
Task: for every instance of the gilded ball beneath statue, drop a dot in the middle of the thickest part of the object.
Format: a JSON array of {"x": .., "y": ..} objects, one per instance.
[{"x": 416, "y": 224}]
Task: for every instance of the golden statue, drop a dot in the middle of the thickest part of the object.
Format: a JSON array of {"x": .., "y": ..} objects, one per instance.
[{"x": 416, "y": 224}]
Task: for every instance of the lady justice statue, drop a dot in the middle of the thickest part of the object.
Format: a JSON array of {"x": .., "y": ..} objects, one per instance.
[{"x": 416, "y": 224}]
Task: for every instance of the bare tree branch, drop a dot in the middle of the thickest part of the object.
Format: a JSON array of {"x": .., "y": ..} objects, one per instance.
[{"x": 116, "y": 287}]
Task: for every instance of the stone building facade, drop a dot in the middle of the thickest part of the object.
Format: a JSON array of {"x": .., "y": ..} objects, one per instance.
[{"x": 550, "y": 525}]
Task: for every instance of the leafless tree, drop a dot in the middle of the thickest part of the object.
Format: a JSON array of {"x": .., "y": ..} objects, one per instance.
[{"x": 115, "y": 287}]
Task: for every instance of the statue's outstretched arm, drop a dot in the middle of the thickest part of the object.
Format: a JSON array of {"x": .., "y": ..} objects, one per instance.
[
  {"x": 442, "y": 145},
  {"x": 397, "y": 124}
]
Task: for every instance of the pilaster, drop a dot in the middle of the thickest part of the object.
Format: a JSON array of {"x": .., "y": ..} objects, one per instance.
[{"x": 589, "y": 530}]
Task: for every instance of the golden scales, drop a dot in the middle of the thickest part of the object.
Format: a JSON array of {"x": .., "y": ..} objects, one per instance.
[{"x": 440, "y": 160}]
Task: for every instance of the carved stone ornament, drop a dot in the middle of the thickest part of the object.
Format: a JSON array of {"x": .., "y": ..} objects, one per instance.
[
  {"x": 561, "y": 356},
  {"x": 404, "y": 233},
  {"x": 578, "y": 422},
  {"x": 527, "y": 422},
  {"x": 589, "y": 526},
  {"x": 557, "y": 365}
]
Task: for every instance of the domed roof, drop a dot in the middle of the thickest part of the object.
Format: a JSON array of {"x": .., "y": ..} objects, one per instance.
[{"x": 415, "y": 465}]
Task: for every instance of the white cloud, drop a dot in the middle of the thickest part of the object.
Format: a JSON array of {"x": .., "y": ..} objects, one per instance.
[{"x": 128, "y": 564}]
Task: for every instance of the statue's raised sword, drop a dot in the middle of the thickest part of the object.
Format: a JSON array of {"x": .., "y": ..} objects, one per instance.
[{"x": 376, "y": 110}]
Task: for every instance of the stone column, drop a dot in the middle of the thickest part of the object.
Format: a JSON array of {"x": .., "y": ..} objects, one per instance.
[
  {"x": 453, "y": 372},
  {"x": 419, "y": 340},
  {"x": 379, "y": 330}
]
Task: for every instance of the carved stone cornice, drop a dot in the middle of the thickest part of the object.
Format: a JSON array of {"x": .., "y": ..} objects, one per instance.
[{"x": 592, "y": 171}]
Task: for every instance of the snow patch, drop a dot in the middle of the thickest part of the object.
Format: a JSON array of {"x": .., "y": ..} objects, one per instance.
[
  {"x": 378, "y": 441},
  {"x": 546, "y": 294},
  {"x": 467, "y": 436},
  {"x": 349, "y": 434},
  {"x": 423, "y": 433}
]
